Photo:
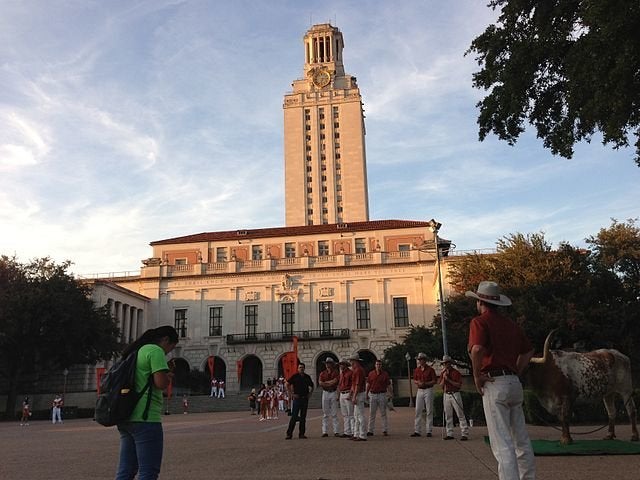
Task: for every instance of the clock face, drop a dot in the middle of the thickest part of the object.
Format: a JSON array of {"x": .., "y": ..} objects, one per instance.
[{"x": 321, "y": 78}]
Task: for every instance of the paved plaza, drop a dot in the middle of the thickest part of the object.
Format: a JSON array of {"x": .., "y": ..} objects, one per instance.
[{"x": 234, "y": 445}]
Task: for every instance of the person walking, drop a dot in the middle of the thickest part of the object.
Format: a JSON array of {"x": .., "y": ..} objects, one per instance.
[
  {"x": 424, "y": 378},
  {"x": 500, "y": 351},
  {"x": 357, "y": 397},
  {"x": 346, "y": 406},
  {"x": 26, "y": 412},
  {"x": 300, "y": 387},
  {"x": 378, "y": 387},
  {"x": 56, "y": 409},
  {"x": 451, "y": 381},
  {"x": 252, "y": 401},
  {"x": 328, "y": 380},
  {"x": 141, "y": 436}
]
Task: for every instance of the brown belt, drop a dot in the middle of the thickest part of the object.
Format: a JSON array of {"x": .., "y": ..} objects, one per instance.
[
  {"x": 345, "y": 391},
  {"x": 383, "y": 391},
  {"x": 329, "y": 390}
]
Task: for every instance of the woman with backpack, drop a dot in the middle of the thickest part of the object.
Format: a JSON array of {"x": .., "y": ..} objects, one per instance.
[{"x": 141, "y": 438}]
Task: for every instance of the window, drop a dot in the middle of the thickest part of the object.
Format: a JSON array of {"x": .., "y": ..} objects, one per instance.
[
  {"x": 400, "y": 312},
  {"x": 322, "y": 137},
  {"x": 221, "y": 254},
  {"x": 309, "y": 168},
  {"x": 215, "y": 321},
  {"x": 361, "y": 246},
  {"x": 307, "y": 127},
  {"x": 309, "y": 189},
  {"x": 326, "y": 317},
  {"x": 309, "y": 179},
  {"x": 256, "y": 252},
  {"x": 336, "y": 125},
  {"x": 180, "y": 324},
  {"x": 323, "y": 248},
  {"x": 290, "y": 248},
  {"x": 250, "y": 321},
  {"x": 309, "y": 211},
  {"x": 308, "y": 148},
  {"x": 404, "y": 247},
  {"x": 322, "y": 126},
  {"x": 288, "y": 318},
  {"x": 363, "y": 314},
  {"x": 336, "y": 135},
  {"x": 181, "y": 261}
]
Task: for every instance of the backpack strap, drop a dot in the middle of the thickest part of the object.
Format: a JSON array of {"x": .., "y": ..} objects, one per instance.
[{"x": 146, "y": 388}]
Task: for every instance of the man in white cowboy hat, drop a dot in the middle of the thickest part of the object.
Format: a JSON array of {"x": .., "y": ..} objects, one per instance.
[
  {"x": 344, "y": 390},
  {"x": 358, "y": 386},
  {"x": 425, "y": 378},
  {"x": 500, "y": 351},
  {"x": 451, "y": 381},
  {"x": 328, "y": 381}
]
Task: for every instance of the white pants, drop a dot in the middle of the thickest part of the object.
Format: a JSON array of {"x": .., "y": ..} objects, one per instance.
[
  {"x": 56, "y": 414},
  {"x": 330, "y": 411},
  {"x": 346, "y": 410},
  {"x": 220, "y": 392},
  {"x": 510, "y": 444},
  {"x": 453, "y": 402},
  {"x": 214, "y": 392},
  {"x": 424, "y": 401},
  {"x": 378, "y": 401},
  {"x": 359, "y": 424}
]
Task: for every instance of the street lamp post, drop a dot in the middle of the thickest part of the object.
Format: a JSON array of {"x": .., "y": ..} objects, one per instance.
[
  {"x": 65, "y": 373},
  {"x": 435, "y": 227},
  {"x": 407, "y": 358}
]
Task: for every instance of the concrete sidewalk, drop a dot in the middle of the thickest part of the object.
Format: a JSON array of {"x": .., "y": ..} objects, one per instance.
[{"x": 234, "y": 445}]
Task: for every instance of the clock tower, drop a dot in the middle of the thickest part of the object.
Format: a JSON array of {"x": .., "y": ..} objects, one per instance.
[{"x": 324, "y": 149}]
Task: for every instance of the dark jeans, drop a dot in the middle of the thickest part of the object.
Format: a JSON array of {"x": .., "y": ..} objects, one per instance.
[
  {"x": 298, "y": 412},
  {"x": 140, "y": 450}
]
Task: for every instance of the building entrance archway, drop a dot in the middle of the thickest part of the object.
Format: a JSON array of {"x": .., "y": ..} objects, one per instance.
[{"x": 251, "y": 372}]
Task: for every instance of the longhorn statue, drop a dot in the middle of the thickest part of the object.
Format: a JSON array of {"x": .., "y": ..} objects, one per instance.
[{"x": 560, "y": 379}]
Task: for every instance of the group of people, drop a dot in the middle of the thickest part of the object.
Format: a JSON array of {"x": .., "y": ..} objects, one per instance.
[
  {"x": 271, "y": 399},
  {"x": 499, "y": 351},
  {"x": 56, "y": 410},
  {"x": 217, "y": 388}
]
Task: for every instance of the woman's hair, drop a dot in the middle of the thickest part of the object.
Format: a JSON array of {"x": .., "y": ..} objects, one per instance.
[{"x": 153, "y": 335}]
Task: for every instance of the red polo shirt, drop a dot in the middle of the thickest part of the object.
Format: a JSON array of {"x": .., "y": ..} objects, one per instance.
[
  {"x": 378, "y": 382},
  {"x": 327, "y": 376},
  {"x": 357, "y": 378},
  {"x": 421, "y": 376},
  {"x": 345, "y": 380},
  {"x": 454, "y": 376},
  {"x": 503, "y": 339}
]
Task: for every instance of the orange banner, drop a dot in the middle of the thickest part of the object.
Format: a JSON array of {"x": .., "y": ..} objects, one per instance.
[
  {"x": 211, "y": 361},
  {"x": 289, "y": 364},
  {"x": 239, "y": 368}
]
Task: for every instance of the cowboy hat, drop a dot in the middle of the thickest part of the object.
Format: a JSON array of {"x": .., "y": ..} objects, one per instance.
[
  {"x": 489, "y": 292},
  {"x": 421, "y": 355},
  {"x": 344, "y": 361},
  {"x": 329, "y": 360},
  {"x": 446, "y": 359},
  {"x": 356, "y": 357}
]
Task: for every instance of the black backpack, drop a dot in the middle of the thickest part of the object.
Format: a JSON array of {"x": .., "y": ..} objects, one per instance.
[{"x": 118, "y": 397}]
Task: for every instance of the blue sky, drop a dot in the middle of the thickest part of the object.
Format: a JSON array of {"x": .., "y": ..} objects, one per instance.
[{"x": 125, "y": 122}]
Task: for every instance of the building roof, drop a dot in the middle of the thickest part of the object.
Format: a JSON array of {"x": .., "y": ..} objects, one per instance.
[{"x": 293, "y": 231}]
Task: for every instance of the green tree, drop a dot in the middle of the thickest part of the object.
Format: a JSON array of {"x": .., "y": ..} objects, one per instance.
[
  {"x": 569, "y": 67},
  {"x": 47, "y": 322},
  {"x": 418, "y": 339}
]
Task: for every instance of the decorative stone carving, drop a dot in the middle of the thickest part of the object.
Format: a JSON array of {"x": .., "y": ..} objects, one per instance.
[
  {"x": 287, "y": 293},
  {"x": 251, "y": 296},
  {"x": 326, "y": 292},
  {"x": 151, "y": 262}
]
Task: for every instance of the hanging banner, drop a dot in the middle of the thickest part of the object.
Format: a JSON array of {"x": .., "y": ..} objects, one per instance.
[
  {"x": 239, "y": 368},
  {"x": 99, "y": 373},
  {"x": 210, "y": 362},
  {"x": 290, "y": 360}
]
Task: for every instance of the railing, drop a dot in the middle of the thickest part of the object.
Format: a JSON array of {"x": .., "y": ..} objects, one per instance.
[{"x": 336, "y": 333}]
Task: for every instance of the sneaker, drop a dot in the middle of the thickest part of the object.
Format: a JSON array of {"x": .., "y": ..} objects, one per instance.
[
  {"x": 325, "y": 435},
  {"x": 338, "y": 435},
  {"x": 464, "y": 439},
  {"x": 415, "y": 434},
  {"x": 288, "y": 437},
  {"x": 302, "y": 437},
  {"x": 344, "y": 435},
  {"x": 385, "y": 434},
  {"x": 358, "y": 439},
  {"x": 448, "y": 438},
  {"x": 429, "y": 434},
  {"x": 369, "y": 434}
]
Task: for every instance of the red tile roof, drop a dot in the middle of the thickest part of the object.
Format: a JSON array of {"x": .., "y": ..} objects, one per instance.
[{"x": 293, "y": 231}]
